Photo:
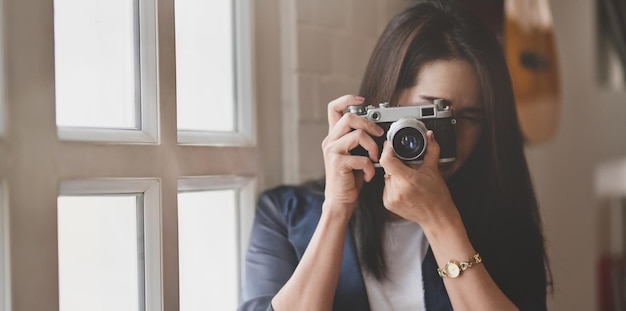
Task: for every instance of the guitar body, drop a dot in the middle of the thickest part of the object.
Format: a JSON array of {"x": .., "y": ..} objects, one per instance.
[{"x": 530, "y": 50}]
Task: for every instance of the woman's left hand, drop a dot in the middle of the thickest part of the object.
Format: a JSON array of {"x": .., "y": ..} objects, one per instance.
[{"x": 419, "y": 194}]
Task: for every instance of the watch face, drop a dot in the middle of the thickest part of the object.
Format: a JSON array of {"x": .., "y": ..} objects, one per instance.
[{"x": 453, "y": 269}]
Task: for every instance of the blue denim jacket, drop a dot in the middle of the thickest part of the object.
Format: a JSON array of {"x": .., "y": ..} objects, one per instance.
[{"x": 285, "y": 220}]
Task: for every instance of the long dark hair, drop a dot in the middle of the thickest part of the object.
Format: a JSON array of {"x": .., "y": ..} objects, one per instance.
[{"x": 492, "y": 191}]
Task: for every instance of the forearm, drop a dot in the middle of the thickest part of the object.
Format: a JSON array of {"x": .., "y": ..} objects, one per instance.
[
  {"x": 474, "y": 289},
  {"x": 312, "y": 285}
]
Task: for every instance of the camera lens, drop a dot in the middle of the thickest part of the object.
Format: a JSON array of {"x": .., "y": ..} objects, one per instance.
[
  {"x": 408, "y": 143},
  {"x": 408, "y": 138}
]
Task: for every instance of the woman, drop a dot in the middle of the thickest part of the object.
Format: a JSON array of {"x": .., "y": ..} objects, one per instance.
[{"x": 390, "y": 238}]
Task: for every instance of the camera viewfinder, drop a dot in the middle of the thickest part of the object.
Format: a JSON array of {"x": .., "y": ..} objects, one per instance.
[{"x": 428, "y": 112}]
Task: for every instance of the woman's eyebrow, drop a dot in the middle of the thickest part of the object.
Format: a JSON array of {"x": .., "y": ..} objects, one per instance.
[{"x": 432, "y": 98}]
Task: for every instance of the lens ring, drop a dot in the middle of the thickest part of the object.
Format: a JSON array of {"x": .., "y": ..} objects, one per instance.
[
  {"x": 408, "y": 143},
  {"x": 408, "y": 138}
]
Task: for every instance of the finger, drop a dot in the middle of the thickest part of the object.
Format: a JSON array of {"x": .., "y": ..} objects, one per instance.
[
  {"x": 357, "y": 163},
  {"x": 339, "y": 105},
  {"x": 344, "y": 144},
  {"x": 389, "y": 161},
  {"x": 431, "y": 158},
  {"x": 350, "y": 121}
]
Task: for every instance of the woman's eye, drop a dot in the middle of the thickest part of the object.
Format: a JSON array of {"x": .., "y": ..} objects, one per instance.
[{"x": 471, "y": 118}]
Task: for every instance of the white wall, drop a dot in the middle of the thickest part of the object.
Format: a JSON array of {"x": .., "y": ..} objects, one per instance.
[
  {"x": 325, "y": 45},
  {"x": 268, "y": 88},
  {"x": 592, "y": 130}
]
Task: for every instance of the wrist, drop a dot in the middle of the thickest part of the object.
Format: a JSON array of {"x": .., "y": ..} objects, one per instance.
[
  {"x": 454, "y": 268},
  {"x": 449, "y": 241},
  {"x": 336, "y": 212},
  {"x": 443, "y": 225},
  {"x": 448, "y": 233}
]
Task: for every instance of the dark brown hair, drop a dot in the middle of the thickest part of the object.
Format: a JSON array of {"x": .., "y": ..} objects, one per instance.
[{"x": 492, "y": 191}]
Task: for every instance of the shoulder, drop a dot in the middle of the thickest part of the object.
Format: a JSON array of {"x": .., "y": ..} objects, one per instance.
[
  {"x": 290, "y": 212},
  {"x": 290, "y": 194},
  {"x": 290, "y": 198},
  {"x": 292, "y": 204}
]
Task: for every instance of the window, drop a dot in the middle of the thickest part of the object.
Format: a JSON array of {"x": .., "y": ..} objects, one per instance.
[
  {"x": 96, "y": 55},
  {"x": 209, "y": 223},
  {"x": 213, "y": 73},
  {"x": 98, "y": 258},
  {"x": 108, "y": 237},
  {"x": 78, "y": 174},
  {"x": 200, "y": 65},
  {"x": 105, "y": 78}
]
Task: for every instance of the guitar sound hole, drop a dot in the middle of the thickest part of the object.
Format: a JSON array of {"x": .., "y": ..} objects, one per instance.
[{"x": 534, "y": 60}]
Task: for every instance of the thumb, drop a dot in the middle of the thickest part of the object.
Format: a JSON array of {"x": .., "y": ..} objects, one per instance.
[
  {"x": 431, "y": 158},
  {"x": 390, "y": 163}
]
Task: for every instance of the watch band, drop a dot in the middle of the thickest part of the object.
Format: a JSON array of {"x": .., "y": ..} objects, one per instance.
[{"x": 454, "y": 268}]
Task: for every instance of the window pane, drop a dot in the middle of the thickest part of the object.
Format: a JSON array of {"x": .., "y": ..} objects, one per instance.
[
  {"x": 208, "y": 256},
  {"x": 205, "y": 87},
  {"x": 96, "y": 63},
  {"x": 100, "y": 242}
]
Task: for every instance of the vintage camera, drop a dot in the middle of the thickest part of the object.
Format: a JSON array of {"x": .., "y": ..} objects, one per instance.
[{"x": 405, "y": 128}]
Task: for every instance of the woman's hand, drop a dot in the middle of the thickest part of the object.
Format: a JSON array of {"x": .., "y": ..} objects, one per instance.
[
  {"x": 418, "y": 194},
  {"x": 313, "y": 283},
  {"x": 345, "y": 173}
]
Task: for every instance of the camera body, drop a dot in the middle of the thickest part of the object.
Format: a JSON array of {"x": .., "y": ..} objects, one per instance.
[{"x": 405, "y": 128}]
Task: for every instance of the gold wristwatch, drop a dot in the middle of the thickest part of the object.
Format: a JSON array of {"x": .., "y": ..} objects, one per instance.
[{"x": 454, "y": 268}]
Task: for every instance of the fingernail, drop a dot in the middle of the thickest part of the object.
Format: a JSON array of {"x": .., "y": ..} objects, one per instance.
[
  {"x": 359, "y": 98},
  {"x": 432, "y": 135},
  {"x": 379, "y": 130}
]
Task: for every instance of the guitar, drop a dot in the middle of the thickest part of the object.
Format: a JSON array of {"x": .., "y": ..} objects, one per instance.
[{"x": 530, "y": 51}]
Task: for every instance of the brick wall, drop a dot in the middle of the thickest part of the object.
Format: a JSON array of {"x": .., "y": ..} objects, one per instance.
[{"x": 333, "y": 40}]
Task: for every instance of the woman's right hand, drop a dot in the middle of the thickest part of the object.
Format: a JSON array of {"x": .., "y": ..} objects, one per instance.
[{"x": 345, "y": 173}]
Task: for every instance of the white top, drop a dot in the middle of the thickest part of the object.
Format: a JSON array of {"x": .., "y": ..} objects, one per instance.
[{"x": 405, "y": 247}]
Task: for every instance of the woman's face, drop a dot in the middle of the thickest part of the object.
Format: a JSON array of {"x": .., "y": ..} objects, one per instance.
[{"x": 455, "y": 81}]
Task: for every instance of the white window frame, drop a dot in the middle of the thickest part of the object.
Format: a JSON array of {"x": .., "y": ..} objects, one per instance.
[
  {"x": 148, "y": 132},
  {"x": 245, "y": 108},
  {"x": 42, "y": 167},
  {"x": 150, "y": 190}
]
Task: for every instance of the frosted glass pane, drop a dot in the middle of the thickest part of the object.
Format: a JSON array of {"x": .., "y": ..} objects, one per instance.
[
  {"x": 205, "y": 65},
  {"x": 96, "y": 63},
  {"x": 99, "y": 253},
  {"x": 208, "y": 256}
]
